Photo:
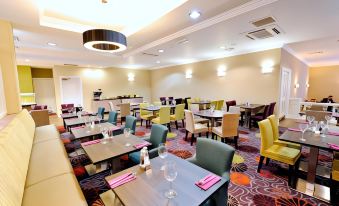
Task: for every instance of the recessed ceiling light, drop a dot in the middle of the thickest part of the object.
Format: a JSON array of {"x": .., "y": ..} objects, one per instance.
[
  {"x": 195, "y": 14},
  {"x": 51, "y": 44},
  {"x": 158, "y": 62},
  {"x": 27, "y": 60},
  {"x": 222, "y": 47},
  {"x": 161, "y": 50}
]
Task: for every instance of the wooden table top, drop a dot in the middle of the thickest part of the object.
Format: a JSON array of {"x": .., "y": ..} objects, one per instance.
[
  {"x": 250, "y": 106},
  {"x": 153, "y": 185},
  {"x": 72, "y": 115},
  {"x": 113, "y": 148},
  {"x": 74, "y": 121},
  {"x": 208, "y": 114},
  {"x": 157, "y": 108},
  {"x": 80, "y": 133}
]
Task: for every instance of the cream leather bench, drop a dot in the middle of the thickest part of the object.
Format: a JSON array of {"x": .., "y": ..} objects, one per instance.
[{"x": 34, "y": 167}]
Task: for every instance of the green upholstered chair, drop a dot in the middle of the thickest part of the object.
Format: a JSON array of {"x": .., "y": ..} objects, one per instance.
[
  {"x": 101, "y": 111},
  {"x": 274, "y": 122},
  {"x": 276, "y": 152},
  {"x": 179, "y": 114},
  {"x": 158, "y": 135},
  {"x": 144, "y": 114},
  {"x": 112, "y": 117},
  {"x": 164, "y": 117},
  {"x": 131, "y": 123},
  {"x": 215, "y": 157}
]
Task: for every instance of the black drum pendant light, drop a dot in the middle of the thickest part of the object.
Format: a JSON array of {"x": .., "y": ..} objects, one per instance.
[{"x": 103, "y": 40}]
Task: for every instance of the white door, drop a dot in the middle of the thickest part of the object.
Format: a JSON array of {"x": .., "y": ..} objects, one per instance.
[
  {"x": 285, "y": 88},
  {"x": 44, "y": 92},
  {"x": 71, "y": 90}
]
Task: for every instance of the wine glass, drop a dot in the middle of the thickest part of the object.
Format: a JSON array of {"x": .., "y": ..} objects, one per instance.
[
  {"x": 104, "y": 132},
  {"x": 328, "y": 119},
  {"x": 310, "y": 119},
  {"x": 87, "y": 124},
  {"x": 303, "y": 128},
  {"x": 127, "y": 132},
  {"x": 162, "y": 151},
  {"x": 170, "y": 173},
  {"x": 98, "y": 119}
]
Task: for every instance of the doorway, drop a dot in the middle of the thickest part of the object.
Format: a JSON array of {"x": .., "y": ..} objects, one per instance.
[
  {"x": 71, "y": 90},
  {"x": 285, "y": 89},
  {"x": 45, "y": 92}
]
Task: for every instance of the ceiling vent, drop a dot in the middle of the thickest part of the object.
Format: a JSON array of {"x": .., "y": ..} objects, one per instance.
[
  {"x": 73, "y": 65},
  {"x": 268, "y": 32},
  {"x": 149, "y": 54},
  {"x": 263, "y": 22}
]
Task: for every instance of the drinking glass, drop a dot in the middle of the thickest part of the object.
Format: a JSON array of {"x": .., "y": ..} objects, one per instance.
[
  {"x": 310, "y": 119},
  {"x": 127, "y": 132},
  {"x": 98, "y": 119},
  {"x": 162, "y": 151},
  {"x": 322, "y": 126},
  {"x": 104, "y": 132},
  {"x": 303, "y": 128},
  {"x": 328, "y": 119},
  {"x": 170, "y": 174}
]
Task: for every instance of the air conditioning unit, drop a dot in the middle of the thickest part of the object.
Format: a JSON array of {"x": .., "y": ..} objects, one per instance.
[{"x": 264, "y": 33}]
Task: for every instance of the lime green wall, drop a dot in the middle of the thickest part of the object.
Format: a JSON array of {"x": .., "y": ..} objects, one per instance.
[{"x": 25, "y": 79}]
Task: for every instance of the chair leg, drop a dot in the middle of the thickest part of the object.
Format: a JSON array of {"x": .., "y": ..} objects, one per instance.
[
  {"x": 212, "y": 135},
  {"x": 236, "y": 142},
  {"x": 176, "y": 125},
  {"x": 169, "y": 127},
  {"x": 207, "y": 133},
  {"x": 141, "y": 122},
  {"x": 192, "y": 138},
  {"x": 186, "y": 135},
  {"x": 199, "y": 134},
  {"x": 260, "y": 163},
  {"x": 183, "y": 123},
  {"x": 267, "y": 161},
  {"x": 290, "y": 173}
]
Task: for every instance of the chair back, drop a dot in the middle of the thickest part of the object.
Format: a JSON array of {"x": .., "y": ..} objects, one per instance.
[
  {"x": 158, "y": 134},
  {"x": 220, "y": 104},
  {"x": 170, "y": 100},
  {"x": 266, "y": 134},
  {"x": 274, "y": 123},
  {"x": 112, "y": 117},
  {"x": 189, "y": 118},
  {"x": 101, "y": 112},
  {"x": 143, "y": 110},
  {"x": 271, "y": 110},
  {"x": 157, "y": 103},
  {"x": 179, "y": 112},
  {"x": 214, "y": 156},
  {"x": 163, "y": 100},
  {"x": 189, "y": 104},
  {"x": 230, "y": 123},
  {"x": 40, "y": 117},
  {"x": 214, "y": 103},
  {"x": 230, "y": 103},
  {"x": 66, "y": 106},
  {"x": 194, "y": 108},
  {"x": 234, "y": 110},
  {"x": 131, "y": 123},
  {"x": 165, "y": 115},
  {"x": 266, "y": 111},
  {"x": 318, "y": 115},
  {"x": 197, "y": 99},
  {"x": 125, "y": 109},
  {"x": 178, "y": 101},
  {"x": 186, "y": 102}
]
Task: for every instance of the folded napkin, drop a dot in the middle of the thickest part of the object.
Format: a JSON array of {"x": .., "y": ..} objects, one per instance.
[
  {"x": 333, "y": 146},
  {"x": 91, "y": 142},
  {"x": 294, "y": 129},
  {"x": 141, "y": 145},
  {"x": 116, "y": 182},
  {"x": 208, "y": 181},
  {"x": 333, "y": 133}
]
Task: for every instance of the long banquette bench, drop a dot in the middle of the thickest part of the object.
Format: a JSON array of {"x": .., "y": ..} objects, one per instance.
[{"x": 34, "y": 167}]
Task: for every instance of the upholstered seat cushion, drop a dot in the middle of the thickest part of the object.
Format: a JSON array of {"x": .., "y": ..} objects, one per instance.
[
  {"x": 48, "y": 159},
  {"x": 44, "y": 133},
  {"x": 283, "y": 154},
  {"x": 135, "y": 157},
  {"x": 201, "y": 120},
  {"x": 217, "y": 131},
  {"x": 335, "y": 170},
  {"x": 147, "y": 116},
  {"x": 287, "y": 144},
  {"x": 60, "y": 190},
  {"x": 172, "y": 116},
  {"x": 156, "y": 120},
  {"x": 200, "y": 128}
]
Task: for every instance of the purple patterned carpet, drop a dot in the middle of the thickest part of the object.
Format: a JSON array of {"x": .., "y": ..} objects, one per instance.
[{"x": 247, "y": 187}]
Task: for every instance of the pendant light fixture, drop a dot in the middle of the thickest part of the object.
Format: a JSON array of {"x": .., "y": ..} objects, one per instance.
[{"x": 103, "y": 40}]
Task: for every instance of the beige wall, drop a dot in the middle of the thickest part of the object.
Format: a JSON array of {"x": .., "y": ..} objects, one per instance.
[
  {"x": 300, "y": 74},
  {"x": 112, "y": 81},
  {"x": 243, "y": 80},
  {"x": 324, "y": 81}
]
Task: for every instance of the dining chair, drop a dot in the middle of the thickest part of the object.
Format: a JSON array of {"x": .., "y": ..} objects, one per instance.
[
  {"x": 318, "y": 115},
  {"x": 260, "y": 116},
  {"x": 144, "y": 114},
  {"x": 283, "y": 154},
  {"x": 157, "y": 103},
  {"x": 125, "y": 110},
  {"x": 186, "y": 102},
  {"x": 131, "y": 123},
  {"x": 179, "y": 101},
  {"x": 197, "y": 119},
  {"x": 101, "y": 112},
  {"x": 192, "y": 127},
  {"x": 214, "y": 103},
  {"x": 275, "y": 129},
  {"x": 230, "y": 103},
  {"x": 189, "y": 104},
  {"x": 158, "y": 135},
  {"x": 179, "y": 114},
  {"x": 66, "y": 107},
  {"x": 271, "y": 109},
  {"x": 163, "y": 100},
  {"x": 220, "y": 104},
  {"x": 112, "y": 117},
  {"x": 228, "y": 128},
  {"x": 334, "y": 182},
  {"x": 215, "y": 157},
  {"x": 170, "y": 100},
  {"x": 164, "y": 117}
]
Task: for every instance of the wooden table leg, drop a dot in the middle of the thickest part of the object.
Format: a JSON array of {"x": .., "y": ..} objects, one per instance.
[{"x": 312, "y": 164}]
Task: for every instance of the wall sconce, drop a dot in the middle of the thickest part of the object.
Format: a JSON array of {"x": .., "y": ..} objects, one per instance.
[
  {"x": 296, "y": 85},
  {"x": 307, "y": 85},
  {"x": 267, "y": 66},
  {"x": 221, "y": 71},
  {"x": 131, "y": 77},
  {"x": 189, "y": 74}
]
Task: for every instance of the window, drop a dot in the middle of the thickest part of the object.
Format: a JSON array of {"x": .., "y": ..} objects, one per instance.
[{"x": 2, "y": 97}]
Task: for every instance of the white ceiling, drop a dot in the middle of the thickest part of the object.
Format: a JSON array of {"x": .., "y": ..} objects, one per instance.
[{"x": 308, "y": 26}]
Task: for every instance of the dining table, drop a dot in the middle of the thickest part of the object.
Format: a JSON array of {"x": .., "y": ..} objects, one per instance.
[
  {"x": 212, "y": 115},
  {"x": 314, "y": 142},
  {"x": 73, "y": 115},
  {"x": 153, "y": 184},
  {"x": 249, "y": 109},
  {"x": 95, "y": 130},
  {"x": 203, "y": 104},
  {"x": 154, "y": 109}
]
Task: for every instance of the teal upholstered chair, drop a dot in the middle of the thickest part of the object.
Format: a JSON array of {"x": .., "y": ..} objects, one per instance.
[
  {"x": 112, "y": 117},
  {"x": 101, "y": 111},
  {"x": 215, "y": 157},
  {"x": 131, "y": 123},
  {"x": 158, "y": 135}
]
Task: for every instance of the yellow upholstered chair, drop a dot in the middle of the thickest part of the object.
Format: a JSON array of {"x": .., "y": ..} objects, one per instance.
[
  {"x": 214, "y": 103},
  {"x": 164, "y": 117},
  {"x": 179, "y": 114},
  {"x": 276, "y": 152},
  {"x": 228, "y": 129},
  {"x": 189, "y": 103},
  {"x": 192, "y": 127},
  {"x": 157, "y": 103},
  {"x": 274, "y": 122},
  {"x": 335, "y": 179},
  {"x": 220, "y": 104},
  {"x": 144, "y": 114}
]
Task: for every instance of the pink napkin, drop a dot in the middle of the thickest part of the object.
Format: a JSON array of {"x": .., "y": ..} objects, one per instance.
[
  {"x": 294, "y": 129},
  {"x": 301, "y": 122},
  {"x": 116, "y": 182},
  {"x": 333, "y": 146},
  {"x": 208, "y": 181},
  {"x": 141, "y": 145},
  {"x": 91, "y": 142},
  {"x": 333, "y": 133},
  {"x": 80, "y": 127}
]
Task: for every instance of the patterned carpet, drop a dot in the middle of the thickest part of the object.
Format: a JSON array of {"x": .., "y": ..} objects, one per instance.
[{"x": 247, "y": 187}]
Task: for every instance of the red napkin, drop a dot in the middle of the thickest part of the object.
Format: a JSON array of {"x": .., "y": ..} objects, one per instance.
[
  {"x": 208, "y": 181},
  {"x": 333, "y": 133},
  {"x": 141, "y": 145},
  {"x": 333, "y": 146},
  {"x": 294, "y": 129},
  {"x": 116, "y": 182},
  {"x": 91, "y": 142}
]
